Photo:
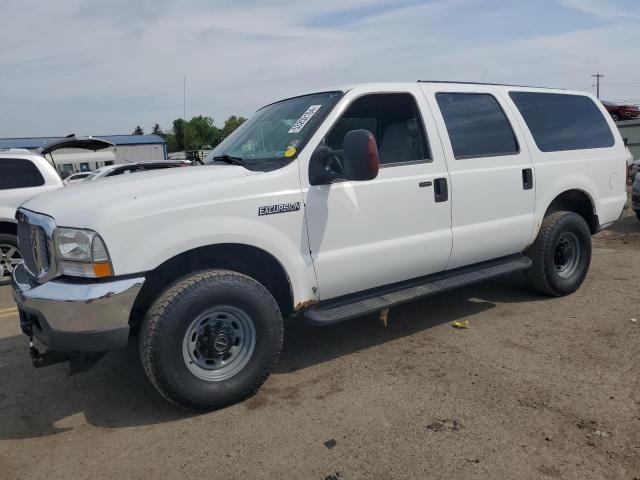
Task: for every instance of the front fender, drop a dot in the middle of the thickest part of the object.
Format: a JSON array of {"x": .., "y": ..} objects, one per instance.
[
  {"x": 169, "y": 239},
  {"x": 7, "y": 215}
]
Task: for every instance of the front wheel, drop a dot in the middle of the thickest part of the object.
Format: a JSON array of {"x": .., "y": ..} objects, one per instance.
[
  {"x": 561, "y": 254},
  {"x": 211, "y": 339}
]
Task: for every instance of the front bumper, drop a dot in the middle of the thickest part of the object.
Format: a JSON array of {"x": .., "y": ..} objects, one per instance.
[{"x": 76, "y": 316}]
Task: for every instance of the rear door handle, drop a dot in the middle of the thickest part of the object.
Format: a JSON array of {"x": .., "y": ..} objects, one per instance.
[
  {"x": 425, "y": 184},
  {"x": 440, "y": 190},
  {"x": 527, "y": 179}
]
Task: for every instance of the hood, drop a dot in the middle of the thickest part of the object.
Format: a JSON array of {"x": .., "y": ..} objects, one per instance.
[
  {"x": 85, "y": 143},
  {"x": 86, "y": 204}
]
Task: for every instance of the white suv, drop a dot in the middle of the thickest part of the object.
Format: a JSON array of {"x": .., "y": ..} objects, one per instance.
[
  {"x": 324, "y": 207},
  {"x": 23, "y": 175}
]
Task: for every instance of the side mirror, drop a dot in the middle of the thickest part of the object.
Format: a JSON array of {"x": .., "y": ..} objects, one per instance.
[
  {"x": 358, "y": 160},
  {"x": 360, "y": 155}
]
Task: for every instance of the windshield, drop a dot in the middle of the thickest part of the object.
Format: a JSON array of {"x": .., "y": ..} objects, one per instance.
[{"x": 277, "y": 132}]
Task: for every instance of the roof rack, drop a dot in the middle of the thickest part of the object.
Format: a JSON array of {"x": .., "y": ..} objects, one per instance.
[{"x": 486, "y": 83}]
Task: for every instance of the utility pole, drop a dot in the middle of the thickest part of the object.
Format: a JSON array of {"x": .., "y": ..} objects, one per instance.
[
  {"x": 598, "y": 76},
  {"x": 184, "y": 112}
]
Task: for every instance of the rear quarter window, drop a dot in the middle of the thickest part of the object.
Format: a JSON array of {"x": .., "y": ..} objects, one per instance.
[
  {"x": 477, "y": 125},
  {"x": 561, "y": 122},
  {"x": 19, "y": 173}
]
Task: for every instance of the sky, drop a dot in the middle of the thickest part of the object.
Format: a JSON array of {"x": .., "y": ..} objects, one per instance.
[{"x": 95, "y": 67}]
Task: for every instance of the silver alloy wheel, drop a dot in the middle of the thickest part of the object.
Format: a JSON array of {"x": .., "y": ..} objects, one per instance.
[
  {"x": 566, "y": 256},
  {"x": 219, "y": 343},
  {"x": 9, "y": 258}
]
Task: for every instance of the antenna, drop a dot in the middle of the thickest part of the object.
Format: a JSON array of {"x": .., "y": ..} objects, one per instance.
[{"x": 184, "y": 112}]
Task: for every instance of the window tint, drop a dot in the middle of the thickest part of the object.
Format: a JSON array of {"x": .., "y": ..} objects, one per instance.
[
  {"x": 393, "y": 119},
  {"x": 560, "y": 122},
  {"x": 477, "y": 125},
  {"x": 18, "y": 173}
]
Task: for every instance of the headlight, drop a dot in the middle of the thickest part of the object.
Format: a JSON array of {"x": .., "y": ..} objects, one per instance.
[{"x": 81, "y": 253}]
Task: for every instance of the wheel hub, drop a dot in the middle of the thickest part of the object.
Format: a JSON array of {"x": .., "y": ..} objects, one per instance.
[
  {"x": 219, "y": 343},
  {"x": 9, "y": 258},
  {"x": 215, "y": 340},
  {"x": 566, "y": 256}
]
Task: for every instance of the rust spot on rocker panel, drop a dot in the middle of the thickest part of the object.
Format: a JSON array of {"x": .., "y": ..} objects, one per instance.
[{"x": 304, "y": 305}]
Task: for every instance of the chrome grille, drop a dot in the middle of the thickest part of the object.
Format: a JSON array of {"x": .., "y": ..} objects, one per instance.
[
  {"x": 26, "y": 246},
  {"x": 35, "y": 239}
]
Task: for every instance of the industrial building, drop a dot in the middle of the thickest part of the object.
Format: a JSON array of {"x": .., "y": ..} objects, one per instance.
[
  {"x": 127, "y": 148},
  {"x": 630, "y": 131}
]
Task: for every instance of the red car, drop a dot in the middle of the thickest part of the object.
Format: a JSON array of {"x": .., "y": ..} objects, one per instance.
[{"x": 622, "y": 112}]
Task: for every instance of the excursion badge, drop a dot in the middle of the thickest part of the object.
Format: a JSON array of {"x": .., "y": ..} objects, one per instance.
[{"x": 278, "y": 208}]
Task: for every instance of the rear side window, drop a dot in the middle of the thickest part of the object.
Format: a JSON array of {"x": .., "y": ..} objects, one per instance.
[
  {"x": 477, "y": 125},
  {"x": 561, "y": 122},
  {"x": 19, "y": 173}
]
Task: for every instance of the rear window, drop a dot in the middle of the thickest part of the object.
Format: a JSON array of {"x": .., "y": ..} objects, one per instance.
[
  {"x": 477, "y": 125},
  {"x": 561, "y": 122},
  {"x": 19, "y": 173}
]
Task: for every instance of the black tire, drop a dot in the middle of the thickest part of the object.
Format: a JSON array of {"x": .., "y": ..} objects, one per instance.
[
  {"x": 638, "y": 214},
  {"x": 165, "y": 326},
  {"x": 6, "y": 239},
  {"x": 545, "y": 275}
]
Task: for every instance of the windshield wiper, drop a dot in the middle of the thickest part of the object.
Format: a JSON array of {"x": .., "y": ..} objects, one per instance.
[{"x": 230, "y": 159}]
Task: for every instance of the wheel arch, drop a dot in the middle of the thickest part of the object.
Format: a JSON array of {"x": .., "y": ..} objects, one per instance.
[
  {"x": 577, "y": 201},
  {"x": 246, "y": 259},
  {"x": 8, "y": 227}
]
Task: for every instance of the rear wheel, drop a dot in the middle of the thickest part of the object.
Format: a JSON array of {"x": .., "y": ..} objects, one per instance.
[
  {"x": 211, "y": 339},
  {"x": 561, "y": 254},
  {"x": 9, "y": 257}
]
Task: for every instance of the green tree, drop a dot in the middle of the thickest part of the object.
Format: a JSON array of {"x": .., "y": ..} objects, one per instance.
[
  {"x": 198, "y": 133},
  {"x": 138, "y": 131},
  {"x": 172, "y": 144},
  {"x": 231, "y": 124},
  {"x": 202, "y": 133},
  {"x": 179, "y": 133}
]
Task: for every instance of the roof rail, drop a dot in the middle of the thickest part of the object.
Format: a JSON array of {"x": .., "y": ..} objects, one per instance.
[{"x": 486, "y": 83}]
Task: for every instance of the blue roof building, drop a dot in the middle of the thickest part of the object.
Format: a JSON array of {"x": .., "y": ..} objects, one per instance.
[
  {"x": 128, "y": 148},
  {"x": 32, "y": 143}
]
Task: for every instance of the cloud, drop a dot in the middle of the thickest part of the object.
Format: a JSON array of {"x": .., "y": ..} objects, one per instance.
[
  {"x": 609, "y": 10},
  {"x": 97, "y": 67}
]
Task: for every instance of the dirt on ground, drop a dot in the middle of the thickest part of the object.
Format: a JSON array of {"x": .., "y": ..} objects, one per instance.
[{"x": 535, "y": 388}]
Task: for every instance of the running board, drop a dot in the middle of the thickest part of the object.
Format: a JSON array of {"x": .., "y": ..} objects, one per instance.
[{"x": 355, "y": 305}]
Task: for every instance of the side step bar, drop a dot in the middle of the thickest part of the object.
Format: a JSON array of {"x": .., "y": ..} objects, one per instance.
[{"x": 369, "y": 301}]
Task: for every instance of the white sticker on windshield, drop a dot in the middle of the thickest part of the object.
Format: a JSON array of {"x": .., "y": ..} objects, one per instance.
[{"x": 306, "y": 116}]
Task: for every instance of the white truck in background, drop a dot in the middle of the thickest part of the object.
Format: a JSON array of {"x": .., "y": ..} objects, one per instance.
[{"x": 324, "y": 207}]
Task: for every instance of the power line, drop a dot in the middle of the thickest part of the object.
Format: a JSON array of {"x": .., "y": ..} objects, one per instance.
[{"x": 623, "y": 84}]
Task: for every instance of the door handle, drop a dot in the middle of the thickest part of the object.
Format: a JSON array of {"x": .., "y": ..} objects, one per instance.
[
  {"x": 527, "y": 179},
  {"x": 425, "y": 184},
  {"x": 440, "y": 190}
]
